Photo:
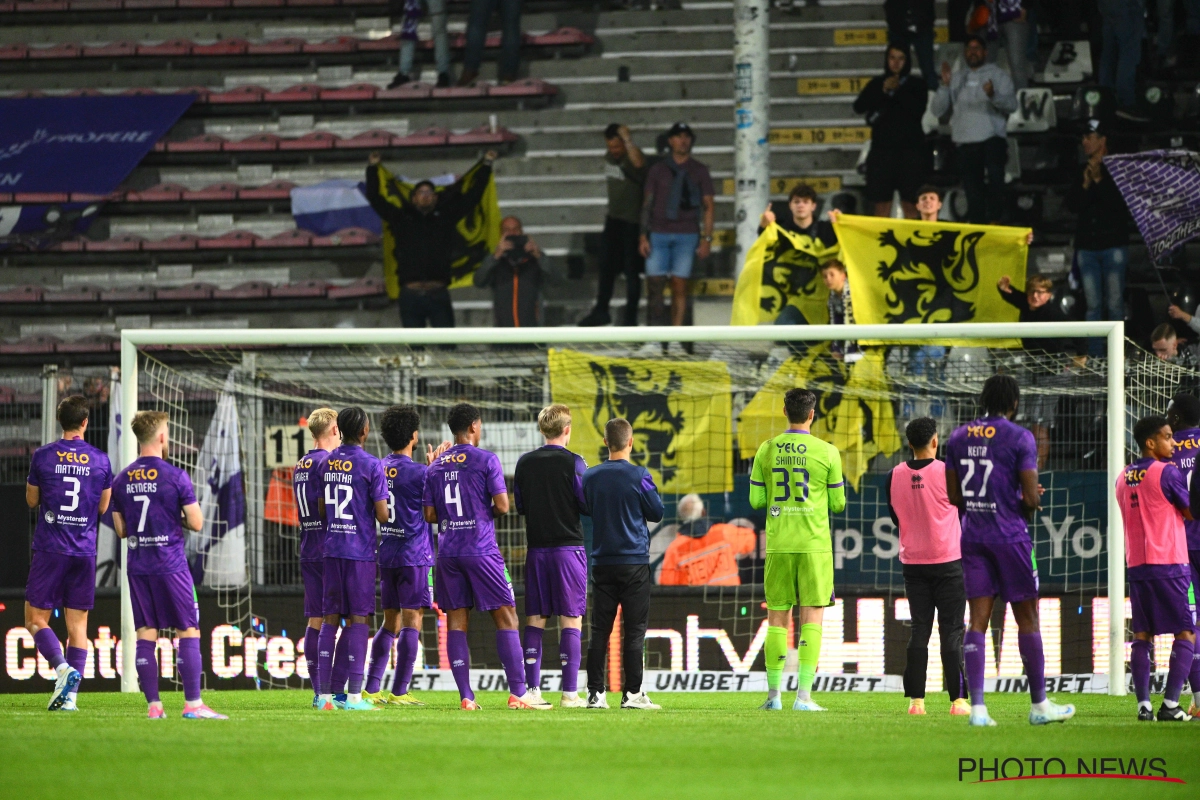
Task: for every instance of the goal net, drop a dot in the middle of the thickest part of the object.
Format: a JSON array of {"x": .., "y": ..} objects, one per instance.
[{"x": 238, "y": 402}]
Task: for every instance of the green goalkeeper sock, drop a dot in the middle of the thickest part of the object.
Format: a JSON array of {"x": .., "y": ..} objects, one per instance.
[
  {"x": 809, "y": 652},
  {"x": 775, "y": 654}
]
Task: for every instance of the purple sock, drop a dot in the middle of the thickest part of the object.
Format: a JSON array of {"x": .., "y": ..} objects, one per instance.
[
  {"x": 381, "y": 651},
  {"x": 532, "y": 641},
  {"x": 147, "y": 669},
  {"x": 975, "y": 655},
  {"x": 325, "y": 648},
  {"x": 1139, "y": 666},
  {"x": 48, "y": 645},
  {"x": 190, "y": 668},
  {"x": 509, "y": 645},
  {"x": 569, "y": 649},
  {"x": 356, "y": 655},
  {"x": 1034, "y": 660},
  {"x": 1181, "y": 663},
  {"x": 312, "y": 645},
  {"x": 406, "y": 656},
  {"x": 1194, "y": 675},
  {"x": 460, "y": 662},
  {"x": 77, "y": 657},
  {"x": 341, "y": 663}
]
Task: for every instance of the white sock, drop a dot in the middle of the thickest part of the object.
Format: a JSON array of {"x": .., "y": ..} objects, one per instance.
[
  {"x": 61, "y": 669},
  {"x": 1145, "y": 704},
  {"x": 979, "y": 710},
  {"x": 1170, "y": 703},
  {"x": 324, "y": 698},
  {"x": 71, "y": 696},
  {"x": 354, "y": 698},
  {"x": 570, "y": 695},
  {"x": 192, "y": 703},
  {"x": 1042, "y": 706},
  {"x": 772, "y": 694},
  {"x": 803, "y": 694}
]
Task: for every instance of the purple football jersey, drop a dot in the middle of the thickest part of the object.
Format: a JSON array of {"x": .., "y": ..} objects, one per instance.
[
  {"x": 307, "y": 490},
  {"x": 353, "y": 481},
  {"x": 1187, "y": 446},
  {"x": 404, "y": 539},
  {"x": 150, "y": 495},
  {"x": 70, "y": 476},
  {"x": 460, "y": 485},
  {"x": 988, "y": 456}
]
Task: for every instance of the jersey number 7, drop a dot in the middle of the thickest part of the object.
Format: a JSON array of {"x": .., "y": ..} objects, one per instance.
[{"x": 784, "y": 483}]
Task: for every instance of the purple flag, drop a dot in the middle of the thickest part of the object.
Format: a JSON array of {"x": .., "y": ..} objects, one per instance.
[{"x": 1162, "y": 190}]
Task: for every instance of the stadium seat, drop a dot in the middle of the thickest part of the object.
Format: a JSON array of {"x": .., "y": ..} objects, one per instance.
[
  {"x": 429, "y": 137},
  {"x": 205, "y": 143},
  {"x": 357, "y": 91},
  {"x": 96, "y": 343},
  {"x": 217, "y": 191},
  {"x": 21, "y": 294},
  {"x": 30, "y": 345},
  {"x": 130, "y": 294},
  {"x": 276, "y": 190},
  {"x": 122, "y": 243},
  {"x": 363, "y": 287},
  {"x": 32, "y": 198},
  {"x": 276, "y": 47},
  {"x": 346, "y": 237},
  {"x": 527, "y": 87},
  {"x": 409, "y": 91},
  {"x": 342, "y": 44},
  {"x": 294, "y": 238},
  {"x": 178, "y": 241},
  {"x": 478, "y": 90},
  {"x": 299, "y": 93},
  {"x": 192, "y": 291},
  {"x": 67, "y": 50},
  {"x": 169, "y": 48},
  {"x": 161, "y": 193},
  {"x": 13, "y": 52},
  {"x": 482, "y": 135},
  {"x": 234, "y": 240},
  {"x": 242, "y": 94},
  {"x": 368, "y": 139},
  {"x": 263, "y": 142},
  {"x": 317, "y": 140},
  {"x": 74, "y": 294},
  {"x": 302, "y": 289},
  {"x": 251, "y": 290},
  {"x": 111, "y": 50}
]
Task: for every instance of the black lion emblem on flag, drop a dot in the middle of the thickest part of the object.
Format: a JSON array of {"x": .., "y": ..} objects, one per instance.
[
  {"x": 633, "y": 393},
  {"x": 786, "y": 273},
  {"x": 929, "y": 275}
]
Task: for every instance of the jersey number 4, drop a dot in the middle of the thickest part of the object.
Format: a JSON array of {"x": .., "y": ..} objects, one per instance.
[
  {"x": 785, "y": 483},
  {"x": 338, "y": 498},
  {"x": 453, "y": 499},
  {"x": 969, "y": 464}
]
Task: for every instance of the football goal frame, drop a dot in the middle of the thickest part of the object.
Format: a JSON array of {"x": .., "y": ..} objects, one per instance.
[{"x": 1112, "y": 332}]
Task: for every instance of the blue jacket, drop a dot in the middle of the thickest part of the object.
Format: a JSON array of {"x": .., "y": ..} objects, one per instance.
[{"x": 621, "y": 499}]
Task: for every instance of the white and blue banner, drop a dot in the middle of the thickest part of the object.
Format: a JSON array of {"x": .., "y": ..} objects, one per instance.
[
  {"x": 217, "y": 554},
  {"x": 328, "y": 207}
]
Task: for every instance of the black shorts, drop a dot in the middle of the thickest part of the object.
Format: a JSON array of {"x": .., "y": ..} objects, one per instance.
[{"x": 890, "y": 170}]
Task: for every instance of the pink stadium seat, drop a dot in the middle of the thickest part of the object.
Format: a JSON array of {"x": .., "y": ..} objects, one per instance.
[
  {"x": 562, "y": 36},
  {"x": 342, "y": 44},
  {"x": 429, "y": 137},
  {"x": 299, "y": 93},
  {"x": 526, "y": 87},
  {"x": 41, "y": 197},
  {"x": 217, "y": 191},
  {"x": 83, "y": 197},
  {"x": 136, "y": 4},
  {"x": 257, "y": 3},
  {"x": 78, "y": 294},
  {"x": 205, "y": 143},
  {"x": 21, "y": 294},
  {"x": 174, "y": 243},
  {"x": 84, "y": 93},
  {"x": 162, "y": 193},
  {"x": 409, "y": 91},
  {"x": 262, "y": 142},
  {"x": 363, "y": 287},
  {"x": 313, "y": 2},
  {"x": 483, "y": 135},
  {"x": 96, "y": 343},
  {"x": 13, "y": 52},
  {"x": 234, "y": 240},
  {"x": 5, "y": 198},
  {"x": 317, "y": 140},
  {"x": 461, "y": 91},
  {"x": 203, "y": 3},
  {"x": 69, "y": 246},
  {"x": 275, "y": 190},
  {"x": 140, "y": 91},
  {"x": 201, "y": 92},
  {"x": 357, "y": 91},
  {"x": 311, "y": 288},
  {"x": 275, "y": 46},
  {"x": 375, "y": 138},
  {"x": 30, "y": 345},
  {"x": 96, "y": 5},
  {"x": 27, "y": 93},
  {"x": 192, "y": 291},
  {"x": 42, "y": 5},
  {"x": 251, "y": 290},
  {"x": 221, "y": 47},
  {"x": 385, "y": 45},
  {"x": 242, "y": 94},
  {"x": 131, "y": 294},
  {"x": 111, "y": 50},
  {"x": 292, "y": 238},
  {"x": 171, "y": 47},
  {"x": 124, "y": 243},
  {"x": 346, "y": 237},
  {"x": 66, "y": 50}
]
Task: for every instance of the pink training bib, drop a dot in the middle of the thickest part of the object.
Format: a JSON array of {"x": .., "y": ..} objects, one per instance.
[
  {"x": 929, "y": 530},
  {"x": 1154, "y": 532}
]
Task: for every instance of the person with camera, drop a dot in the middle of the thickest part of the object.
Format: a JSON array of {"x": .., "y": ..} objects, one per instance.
[{"x": 515, "y": 272}]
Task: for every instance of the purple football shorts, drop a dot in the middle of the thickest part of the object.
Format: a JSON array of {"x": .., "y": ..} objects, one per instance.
[
  {"x": 406, "y": 587},
  {"x": 164, "y": 601},
  {"x": 61, "y": 581},
  {"x": 1007, "y": 569},
  {"x": 555, "y": 582},
  {"x": 472, "y": 582},
  {"x": 349, "y": 587},
  {"x": 312, "y": 573}
]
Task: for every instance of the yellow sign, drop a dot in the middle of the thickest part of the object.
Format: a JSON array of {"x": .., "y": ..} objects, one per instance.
[
  {"x": 847, "y": 135},
  {"x": 847, "y": 85},
  {"x": 713, "y": 287},
  {"x": 681, "y": 413},
  {"x": 867, "y": 36},
  {"x": 285, "y": 445},
  {"x": 822, "y": 184}
]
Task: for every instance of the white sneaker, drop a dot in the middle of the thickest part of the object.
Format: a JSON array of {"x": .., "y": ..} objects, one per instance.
[
  {"x": 639, "y": 701},
  {"x": 597, "y": 700},
  {"x": 676, "y": 349},
  {"x": 572, "y": 700},
  {"x": 806, "y": 705},
  {"x": 68, "y": 705},
  {"x": 649, "y": 350},
  {"x": 65, "y": 682},
  {"x": 532, "y": 699},
  {"x": 1050, "y": 712}
]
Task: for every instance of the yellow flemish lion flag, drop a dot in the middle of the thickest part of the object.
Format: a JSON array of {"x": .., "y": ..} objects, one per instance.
[
  {"x": 480, "y": 229},
  {"x": 681, "y": 414},
  {"x": 907, "y": 271},
  {"x": 854, "y": 408},
  {"x": 782, "y": 269}
]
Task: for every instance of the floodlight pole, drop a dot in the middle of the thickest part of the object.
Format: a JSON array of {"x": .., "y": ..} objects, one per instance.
[{"x": 751, "y": 120}]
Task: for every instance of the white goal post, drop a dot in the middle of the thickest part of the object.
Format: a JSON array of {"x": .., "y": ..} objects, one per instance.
[{"x": 1113, "y": 332}]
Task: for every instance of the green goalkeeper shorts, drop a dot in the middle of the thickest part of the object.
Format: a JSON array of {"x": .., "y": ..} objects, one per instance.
[{"x": 798, "y": 579}]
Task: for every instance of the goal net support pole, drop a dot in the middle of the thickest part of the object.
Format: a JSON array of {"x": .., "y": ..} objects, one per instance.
[{"x": 1113, "y": 332}]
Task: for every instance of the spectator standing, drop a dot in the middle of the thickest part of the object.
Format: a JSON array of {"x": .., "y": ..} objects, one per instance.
[
  {"x": 841, "y": 310},
  {"x": 931, "y": 558},
  {"x": 678, "y": 189},
  {"x": 621, "y": 498},
  {"x": 1123, "y": 25},
  {"x": 510, "y": 40},
  {"x": 929, "y": 202},
  {"x": 424, "y": 234},
  {"x": 516, "y": 272},
  {"x": 1166, "y": 54},
  {"x": 704, "y": 555},
  {"x": 1101, "y": 232},
  {"x": 910, "y": 24},
  {"x": 408, "y": 42},
  {"x": 894, "y": 103},
  {"x": 799, "y": 217},
  {"x": 981, "y": 97},
  {"x": 1013, "y": 20},
  {"x": 625, "y": 177}
]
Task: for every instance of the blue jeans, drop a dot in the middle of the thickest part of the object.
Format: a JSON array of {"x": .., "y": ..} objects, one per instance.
[
  {"x": 1124, "y": 26},
  {"x": 672, "y": 254},
  {"x": 1166, "y": 24},
  {"x": 510, "y": 36},
  {"x": 441, "y": 41},
  {"x": 1103, "y": 273}
]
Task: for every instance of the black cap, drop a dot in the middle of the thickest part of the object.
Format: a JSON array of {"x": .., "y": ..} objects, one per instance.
[
  {"x": 1095, "y": 126},
  {"x": 681, "y": 127},
  {"x": 975, "y": 37}
]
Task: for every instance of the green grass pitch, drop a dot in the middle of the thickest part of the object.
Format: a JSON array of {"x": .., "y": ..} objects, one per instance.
[{"x": 698, "y": 746}]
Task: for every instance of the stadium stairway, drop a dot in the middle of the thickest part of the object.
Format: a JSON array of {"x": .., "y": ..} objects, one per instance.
[{"x": 297, "y": 96}]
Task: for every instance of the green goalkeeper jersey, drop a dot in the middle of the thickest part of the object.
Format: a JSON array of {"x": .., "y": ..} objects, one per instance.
[{"x": 798, "y": 479}]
